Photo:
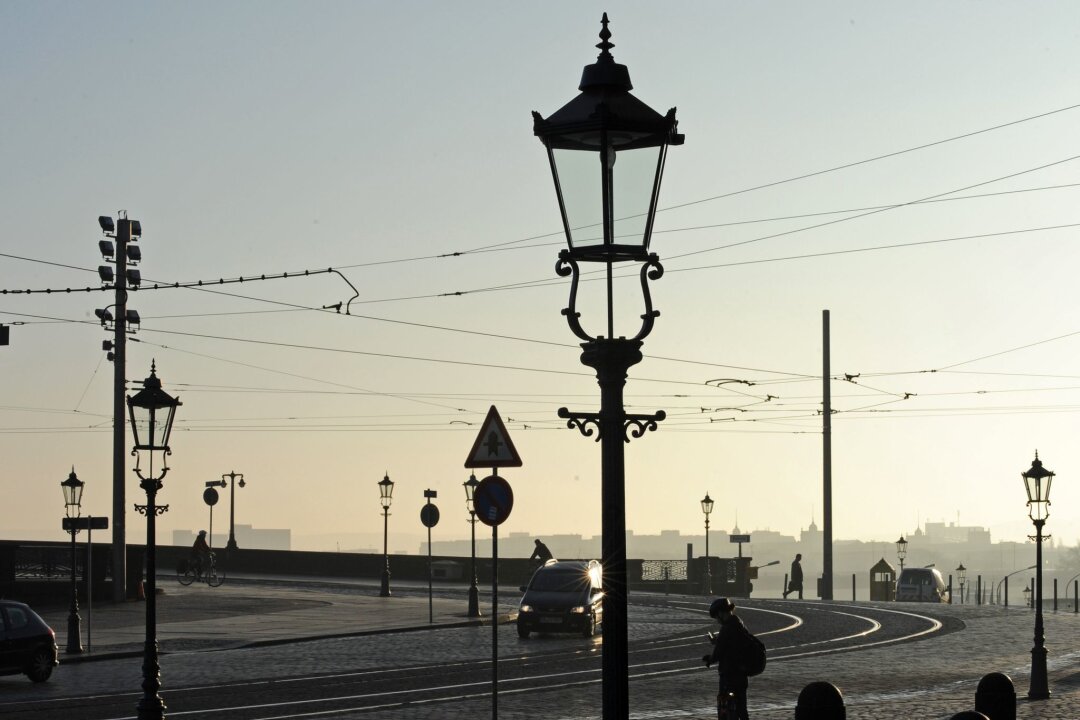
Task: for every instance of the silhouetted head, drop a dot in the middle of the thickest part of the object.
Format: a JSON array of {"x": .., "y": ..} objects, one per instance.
[
  {"x": 721, "y": 605},
  {"x": 798, "y": 556},
  {"x": 202, "y": 533},
  {"x": 537, "y": 541}
]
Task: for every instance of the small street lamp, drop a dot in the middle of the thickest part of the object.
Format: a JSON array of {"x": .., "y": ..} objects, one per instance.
[
  {"x": 607, "y": 209},
  {"x": 901, "y": 551},
  {"x": 231, "y": 545},
  {"x": 961, "y": 579},
  {"x": 386, "y": 495},
  {"x": 474, "y": 593},
  {"x": 1037, "y": 480},
  {"x": 73, "y": 490},
  {"x": 706, "y": 507},
  {"x": 152, "y": 411},
  {"x": 1027, "y": 596}
]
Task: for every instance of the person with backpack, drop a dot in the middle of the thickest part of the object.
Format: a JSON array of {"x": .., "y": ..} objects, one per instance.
[
  {"x": 737, "y": 654},
  {"x": 795, "y": 583}
]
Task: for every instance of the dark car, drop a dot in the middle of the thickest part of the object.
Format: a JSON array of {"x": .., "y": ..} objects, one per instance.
[
  {"x": 921, "y": 585},
  {"x": 562, "y": 596},
  {"x": 27, "y": 643}
]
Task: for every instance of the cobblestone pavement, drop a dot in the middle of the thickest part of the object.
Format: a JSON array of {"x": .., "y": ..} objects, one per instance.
[{"x": 929, "y": 678}]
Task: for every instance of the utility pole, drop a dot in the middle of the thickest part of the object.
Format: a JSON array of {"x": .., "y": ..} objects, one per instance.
[
  {"x": 826, "y": 564},
  {"x": 124, "y": 231},
  {"x": 119, "y": 527}
]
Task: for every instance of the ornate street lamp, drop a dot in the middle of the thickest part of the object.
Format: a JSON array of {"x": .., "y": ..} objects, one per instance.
[
  {"x": 73, "y": 490},
  {"x": 706, "y": 507},
  {"x": 231, "y": 545},
  {"x": 606, "y": 150},
  {"x": 901, "y": 551},
  {"x": 470, "y": 493},
  {"x": 152, "y": 411},
  {"x": 961, "y": 578},
  {"x": 1037, "y": 480},
  {"x": 386, "y": 496}
]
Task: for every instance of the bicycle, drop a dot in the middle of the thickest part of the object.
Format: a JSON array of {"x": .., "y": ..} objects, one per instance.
[
  {"x": 726, "y": 706},
  {"x": 187, "y": 572}
]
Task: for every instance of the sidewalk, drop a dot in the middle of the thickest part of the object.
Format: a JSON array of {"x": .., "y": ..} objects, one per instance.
[{"x": 249, "y": 612}]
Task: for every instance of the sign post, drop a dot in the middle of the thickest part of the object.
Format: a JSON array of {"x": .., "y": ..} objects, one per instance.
[
  {"x": 429, "y": 515},
  {"x": 739, "y": 539},
  {"x": 493, "y": 500}
]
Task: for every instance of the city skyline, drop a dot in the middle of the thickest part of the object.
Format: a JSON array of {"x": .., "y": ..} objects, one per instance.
[{"x": 910, "y": 169}]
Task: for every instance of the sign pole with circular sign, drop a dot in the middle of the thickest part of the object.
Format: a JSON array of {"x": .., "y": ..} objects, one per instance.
[
  {"x": 493, "y": 500},
  {"x": 429, "y": 515},
  {"x": 210, "y": 497}
]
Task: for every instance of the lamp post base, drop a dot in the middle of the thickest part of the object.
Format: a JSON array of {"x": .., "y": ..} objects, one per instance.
[
  {"x": 74, "y": 633},
  {"x": 384, "y": 586},
  {"x": 474, "y": 601},
  {"x": 1039, "y": 688}
]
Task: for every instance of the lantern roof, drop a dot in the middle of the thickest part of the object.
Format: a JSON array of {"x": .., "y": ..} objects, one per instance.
[{"x": 605, "y": 103}]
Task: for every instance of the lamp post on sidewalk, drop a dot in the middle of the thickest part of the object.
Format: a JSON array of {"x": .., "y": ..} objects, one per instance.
[
  {"x": 470, "y": 494},
  {"x": 601, "y": 210},
  {"x": 231, "y": 545},
  {"x": 1037, "y": 480},
  {"x": 706, "y": 507},
  {"x": 901, "y": 551},
  {"x": 152, "y": 412},
  {"x": 73, "y": 490},
  {"x": 961, "y": 578},
  {"x": 386, "y": 496}
]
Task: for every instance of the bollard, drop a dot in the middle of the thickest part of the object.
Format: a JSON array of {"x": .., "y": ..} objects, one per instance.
[
  {"x": 1055, "y": 594},
  {"x": 785, "y": 586},
  {"x": 978, "y": 590},
  {"x": 995, "y": 697},
  {"x": 1076, "y": 597},
  {"x": 950, "y": 588},
  {"x": 969, "y": 715},
  {"x": 820, "y": 701},
  {"x": 1006, "y": 603},
  {"x": 852, "y": 587}
]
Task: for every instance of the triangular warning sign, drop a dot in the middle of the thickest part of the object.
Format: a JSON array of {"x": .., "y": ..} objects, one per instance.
[{"x": 493, "y": 447}]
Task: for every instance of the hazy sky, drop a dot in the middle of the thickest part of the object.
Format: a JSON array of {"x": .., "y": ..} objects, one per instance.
[{"x": 377, "y": 138}]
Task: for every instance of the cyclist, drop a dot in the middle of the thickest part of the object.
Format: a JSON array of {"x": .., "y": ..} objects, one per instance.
[{"x": 200, "y": 554}]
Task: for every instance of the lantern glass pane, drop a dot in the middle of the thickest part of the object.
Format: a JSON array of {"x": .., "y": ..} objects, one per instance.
[
  {"x": 632, "y": 192},
  {"x": 580, "y": 180}
]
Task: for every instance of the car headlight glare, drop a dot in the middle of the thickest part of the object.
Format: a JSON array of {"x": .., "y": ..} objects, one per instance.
[
  {"x": 525, "y": 609},
  {"x": 579, "y": 609}
]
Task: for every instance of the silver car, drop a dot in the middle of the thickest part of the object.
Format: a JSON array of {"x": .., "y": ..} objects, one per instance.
[{"x": 921, "y": 585}]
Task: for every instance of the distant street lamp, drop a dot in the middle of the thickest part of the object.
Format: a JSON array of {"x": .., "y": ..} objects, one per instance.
[
  {"x": 474, "y": 593},
  {"x": 607, "y": 209},
  {"x": 1037, "y": 480},
  {"x": 73, "y": 490},
  {"x": 231, "y": 545},
  {"x": 961, "y": 578},
  {"x": 386, "y": 495},
  {"x": 1027, "y": 595},
  {"x": 901, "y": 551},
  {"x": 706, "y": 507},
  {"x": 151, "y": 411}
]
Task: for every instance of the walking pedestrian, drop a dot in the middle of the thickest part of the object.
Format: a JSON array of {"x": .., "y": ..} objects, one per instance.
[
  {"x": 730, "y": 647},
  {"x": 795, "y": 583}
]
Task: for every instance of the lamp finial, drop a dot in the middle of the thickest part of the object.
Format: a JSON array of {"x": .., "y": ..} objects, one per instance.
[{"x": 605, "y": 36}]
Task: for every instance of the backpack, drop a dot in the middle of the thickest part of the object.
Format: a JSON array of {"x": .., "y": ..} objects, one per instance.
[{"x": 754, "y": 660}]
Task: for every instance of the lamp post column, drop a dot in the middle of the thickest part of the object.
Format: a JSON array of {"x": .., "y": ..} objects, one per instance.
[
  {"x": 231, "y": 545},
  {"x": 1039, "y": 689},
  {"x": 74, "y": 624},
  {"x": 474, "y": 592},
  {"x": 151, "y": 706},
  {"x": 384, "y": 586}
]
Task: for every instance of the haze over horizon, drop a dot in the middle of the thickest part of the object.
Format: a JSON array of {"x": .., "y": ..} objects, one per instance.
[{"x": 912, "y": 169}]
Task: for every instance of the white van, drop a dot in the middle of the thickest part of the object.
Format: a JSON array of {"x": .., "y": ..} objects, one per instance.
[{"x": 921, "y": 585}]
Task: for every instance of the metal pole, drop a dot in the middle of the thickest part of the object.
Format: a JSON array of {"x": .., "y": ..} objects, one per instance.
[
  {"x": 474, "y": 592},
  {"x": 89, "y": 582},
  {"x": 74, "y": 641},
  {"x": 119, "y": 532},
  {"x": 708, "y": 564},
  {"x": 211, "y": 533},
  {"x": 1076, "y": 596},
  {"x": 852, "y": 587},
  {"x": 1006, "y": 591},
  {"x": 826, "y": 433},
  {"x": 231, "y": 545},
  {"x": 151, "y": 706},
  {"x": 384, "y": 589},
  {"x": 1039, "y": 688},
  {"x": 430, "y": 589},
  {"x": 1055, "y": 594},
  {"x": 494, "y": 622}
]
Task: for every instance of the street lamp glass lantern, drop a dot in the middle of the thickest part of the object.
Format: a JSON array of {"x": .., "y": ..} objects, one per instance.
[
  {"x": 1037, "y": 481},
  {"x": 470, "y": 492},
  {"x": 386, "y": 491},
  {"x": 152, "y": 411},
  {"x": 707, "y": 505},
  {"x": 606, "y": 150},
  {"x": 901, "y": 548},
  {"x": 73, "y": 489},
  {"x": 961, "y": 574}
]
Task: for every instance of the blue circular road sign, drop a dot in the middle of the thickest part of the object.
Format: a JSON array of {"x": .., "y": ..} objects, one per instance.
[
  {"x": 429, "y": 515},
  {"x": 493, "y": 500}
]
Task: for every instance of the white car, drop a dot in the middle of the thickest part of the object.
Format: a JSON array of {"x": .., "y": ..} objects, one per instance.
[{"x": 921, "y": 585}]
